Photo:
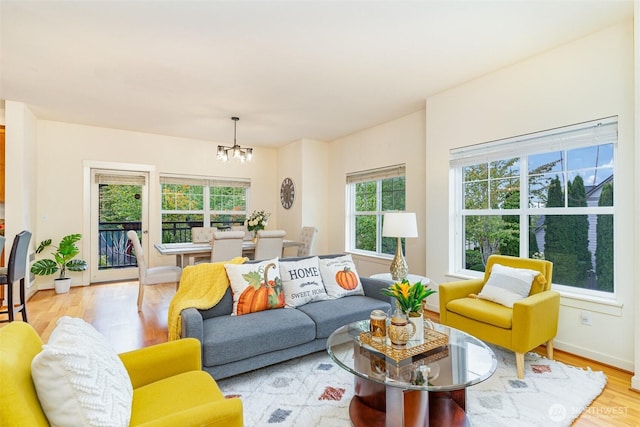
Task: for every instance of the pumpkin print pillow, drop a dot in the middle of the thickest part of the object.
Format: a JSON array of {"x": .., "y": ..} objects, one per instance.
[
  {"x": 340, "y": 277},
  {"x": 255, "y": 287},
  {"x": 302, "y": 282}
]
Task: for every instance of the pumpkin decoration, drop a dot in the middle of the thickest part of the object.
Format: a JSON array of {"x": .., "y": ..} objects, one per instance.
[
  {"x": 347, "y": 279},
  {"x": 262, "y": 293},
  {"x": 276, "y": 294},
  {"x": 254, "y": 298}
]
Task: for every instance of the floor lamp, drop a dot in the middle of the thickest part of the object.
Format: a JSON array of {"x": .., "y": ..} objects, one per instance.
[{"x": 399, "y": 225}]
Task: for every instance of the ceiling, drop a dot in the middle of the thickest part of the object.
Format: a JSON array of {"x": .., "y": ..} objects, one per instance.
[{"x": 289, "y": 69}]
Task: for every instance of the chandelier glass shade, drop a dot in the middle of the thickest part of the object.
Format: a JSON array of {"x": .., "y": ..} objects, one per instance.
[{"x": 236, "y": 152}]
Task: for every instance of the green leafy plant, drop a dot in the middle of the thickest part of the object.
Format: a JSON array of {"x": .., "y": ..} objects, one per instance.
[
  {"x": 63, "y": 257},
  {"x": 408, "y": 296}
]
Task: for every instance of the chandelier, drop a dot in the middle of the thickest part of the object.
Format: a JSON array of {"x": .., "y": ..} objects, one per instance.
[{"x": 236, "y": 152}]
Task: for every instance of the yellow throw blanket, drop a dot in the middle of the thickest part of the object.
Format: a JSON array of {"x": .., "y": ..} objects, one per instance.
[{"x": 201, "y": 286}]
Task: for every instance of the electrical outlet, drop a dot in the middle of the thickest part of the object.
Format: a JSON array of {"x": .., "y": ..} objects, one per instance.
[{"x": 585, "y": 318}]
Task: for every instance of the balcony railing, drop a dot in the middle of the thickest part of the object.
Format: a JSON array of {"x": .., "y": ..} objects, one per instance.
[
  {"x": 180, "y": 231},
  {"x": 116, "y": 251},
  {"x": 114, "y": 247}
]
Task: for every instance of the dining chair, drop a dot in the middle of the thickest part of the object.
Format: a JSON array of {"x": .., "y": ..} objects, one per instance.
[
  {"x": 202, "y": 234},
  {"x": 226, "y": 245},
  {"x": 153, "y": 275},
  {"x": 269, "y": 244},
  {"x": 307, "y": 238},
  {"x": 15, "y": 270},
  {"x": 243, "y": 228}
]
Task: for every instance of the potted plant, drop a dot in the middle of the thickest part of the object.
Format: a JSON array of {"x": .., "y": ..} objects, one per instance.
[
  {"x": 63, "y": 260},
  {"x": 409, "y": 299}
]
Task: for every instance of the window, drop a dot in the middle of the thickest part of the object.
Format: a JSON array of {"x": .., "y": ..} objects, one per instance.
[
  {"x": 371, "y": 194},
  {"x": 545, "y": 195},
  {"x": 198, "y": 202}
]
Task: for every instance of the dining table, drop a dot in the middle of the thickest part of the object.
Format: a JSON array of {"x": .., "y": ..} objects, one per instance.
[{"x": 187, "y": 253}]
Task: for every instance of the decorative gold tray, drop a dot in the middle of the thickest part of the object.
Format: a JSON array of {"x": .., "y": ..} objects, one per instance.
[
  {"x": 432, "y": 339},
  {"x": 407, "y": 373}
]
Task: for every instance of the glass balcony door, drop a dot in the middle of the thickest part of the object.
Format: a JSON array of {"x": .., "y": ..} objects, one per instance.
[{"x": 119, "y": 203}]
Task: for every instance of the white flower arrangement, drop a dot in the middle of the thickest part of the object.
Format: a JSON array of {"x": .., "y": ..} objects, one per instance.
[{"x": 257, "y": 220}]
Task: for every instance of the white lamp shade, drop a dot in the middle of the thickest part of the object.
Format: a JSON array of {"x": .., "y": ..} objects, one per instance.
[{"x": 400, "y": 224}]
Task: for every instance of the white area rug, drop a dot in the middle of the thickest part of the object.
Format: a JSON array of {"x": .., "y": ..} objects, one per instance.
[
  {"x": 551, "y": 393},
  {"x": 313, "y": 391}
]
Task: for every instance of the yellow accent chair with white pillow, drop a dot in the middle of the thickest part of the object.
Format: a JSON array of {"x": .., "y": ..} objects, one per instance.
[
  {"x": 530, "y": 322},
  {"x": 169, "y": 386}
]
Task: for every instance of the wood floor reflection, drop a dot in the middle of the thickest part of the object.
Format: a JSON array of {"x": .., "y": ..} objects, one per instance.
[{"x": 111, "y": 309}]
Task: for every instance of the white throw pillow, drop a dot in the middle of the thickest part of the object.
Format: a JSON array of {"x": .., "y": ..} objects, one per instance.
[
  {"x": 340, "y": 277},
  {"x": 250, "y": 292},
  {"x": 302, "y": 282},
  {"x": 79, "y": 378},
  {"x": 506, "y": 285}
]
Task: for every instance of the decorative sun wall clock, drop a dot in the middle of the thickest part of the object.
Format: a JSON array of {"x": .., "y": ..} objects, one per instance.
[{"x": 287, "y": 193}]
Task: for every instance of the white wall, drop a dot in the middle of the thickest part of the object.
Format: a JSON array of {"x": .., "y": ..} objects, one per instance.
[
  {"x": 587, "y": 79},
  {"x": 635, "y": 380},
  {"x": 306, "y": 163},
  {"x": 20, "y": 174},
  {"x": 65, "y": 147},
  {"x": 290, "y": 166},
  {"x": 314, "y": 195},
  {"x": 395, "y": 142}
]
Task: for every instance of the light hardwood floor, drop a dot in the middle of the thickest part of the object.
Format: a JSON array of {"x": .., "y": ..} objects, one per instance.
[{"x": 111, "y": 309}]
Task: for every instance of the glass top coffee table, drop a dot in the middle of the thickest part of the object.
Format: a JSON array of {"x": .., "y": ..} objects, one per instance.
[{"x": 428, "y": 388}]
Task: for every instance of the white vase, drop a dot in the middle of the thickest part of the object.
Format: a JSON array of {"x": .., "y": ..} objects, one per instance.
[
  {"x": 62, "y": 286},
  {"x": 418, "y": 322}
]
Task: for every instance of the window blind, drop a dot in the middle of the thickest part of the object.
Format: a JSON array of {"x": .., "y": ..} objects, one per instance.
[
  {"x": 120, "y": 179},
  {"x": 204, "y": 181},
  {"x": 376, "y": 174},
  {"x": 232, "y": 182},
  {"x": 589, "y": 133}
]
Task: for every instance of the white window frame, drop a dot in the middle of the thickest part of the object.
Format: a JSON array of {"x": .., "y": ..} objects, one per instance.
[
  {"x": 206, "y": 183},
  {"x": 353, "y": 178},
  {"x": 569, "y": 137}
]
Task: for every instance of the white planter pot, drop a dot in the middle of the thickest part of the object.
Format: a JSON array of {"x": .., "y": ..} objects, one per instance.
[{"x": 62, "y": 286}]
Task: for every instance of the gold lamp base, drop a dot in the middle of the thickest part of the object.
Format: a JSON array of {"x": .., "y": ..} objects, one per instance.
[{"x": 399, "y": 268}]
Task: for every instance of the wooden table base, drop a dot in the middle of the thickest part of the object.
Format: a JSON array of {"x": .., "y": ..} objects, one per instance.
[{"x": 377, "y": 405}]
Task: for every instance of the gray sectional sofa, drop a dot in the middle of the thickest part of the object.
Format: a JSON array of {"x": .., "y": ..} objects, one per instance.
[{"x": 235, "y": 344}]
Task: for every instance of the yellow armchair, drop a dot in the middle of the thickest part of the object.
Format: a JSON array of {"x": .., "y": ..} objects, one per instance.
[
  {"x": 532, "y": 321},
  {"x": 169, "y": 386}
]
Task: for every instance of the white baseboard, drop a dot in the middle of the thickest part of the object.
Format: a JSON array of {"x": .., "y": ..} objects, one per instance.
[
  {"x": 433, "y": 307},
  {"x": 627, "y": 365}
]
